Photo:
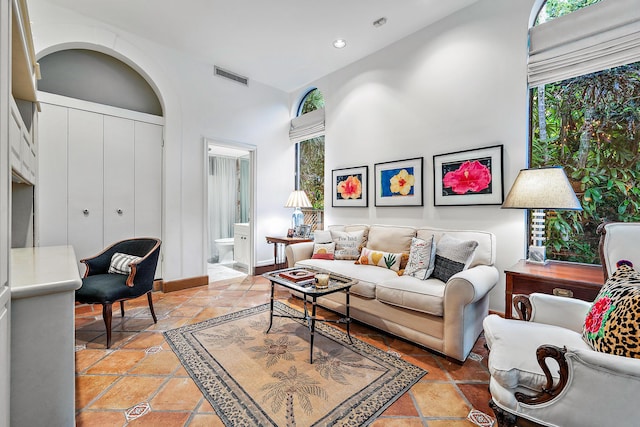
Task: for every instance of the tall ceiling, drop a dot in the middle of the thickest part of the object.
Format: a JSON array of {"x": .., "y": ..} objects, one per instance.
[{"x": 286, "y": 44}]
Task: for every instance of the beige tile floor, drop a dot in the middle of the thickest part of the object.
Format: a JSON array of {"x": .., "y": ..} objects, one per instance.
[{"x": 140, "y": 381}]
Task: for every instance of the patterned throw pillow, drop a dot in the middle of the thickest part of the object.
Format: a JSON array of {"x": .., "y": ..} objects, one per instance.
[
  {"x": 422, "y": 257},
  {"x": 613, "y": 322},
  {"x": 120, "y": 263},
  {"x": 348, "y": 244},
  {"x": 323, "y": 250},
  {"x": 380, "y": 259},
  {"x": 452, "y": 256}
]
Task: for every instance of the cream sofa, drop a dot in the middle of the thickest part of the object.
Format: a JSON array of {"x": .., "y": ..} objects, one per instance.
[{"x": 445, "y": 317}]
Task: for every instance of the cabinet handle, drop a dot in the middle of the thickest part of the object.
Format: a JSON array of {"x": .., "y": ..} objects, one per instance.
[
  {"x": 560, "y": 292},
  {"x": 85, "y": 212},
  {"x": 119, "y": 211}
]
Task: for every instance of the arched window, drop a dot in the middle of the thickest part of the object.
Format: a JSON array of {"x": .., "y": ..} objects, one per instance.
[
  {"x": 307, "y": 131},
  {"x": 584, "y": 78}
]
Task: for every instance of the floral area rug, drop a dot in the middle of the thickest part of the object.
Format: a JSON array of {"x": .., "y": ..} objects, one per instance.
[{"x": 257, "y": 379}]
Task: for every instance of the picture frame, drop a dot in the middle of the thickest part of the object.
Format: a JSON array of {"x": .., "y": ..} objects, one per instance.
[
  {"x": 290, "y": 232},
  {"x": 350, "y": 187},
  {"x": 303, "y": 231},
  {"x": 399, "y": 183},
  {"x": 469, "y": 178}
]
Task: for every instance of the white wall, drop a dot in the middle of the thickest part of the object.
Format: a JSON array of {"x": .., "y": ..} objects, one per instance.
[
  {"x": 456, "y": 85},
  {"x": 196, "y": 105}
]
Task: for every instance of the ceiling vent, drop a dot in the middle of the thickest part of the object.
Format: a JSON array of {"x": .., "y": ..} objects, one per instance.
[{"x": 231, "y": 76}]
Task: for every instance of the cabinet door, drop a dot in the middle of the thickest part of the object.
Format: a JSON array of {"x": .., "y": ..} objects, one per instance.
[
  {"x": 148, "y": 178},
  {"x": 85, "y": 174},
  {"x": 52, "y": 176},
  {"x": 119, "y": 180}
]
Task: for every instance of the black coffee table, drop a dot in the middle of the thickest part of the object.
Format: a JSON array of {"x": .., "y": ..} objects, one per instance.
[{"x": 337, "y": 283}]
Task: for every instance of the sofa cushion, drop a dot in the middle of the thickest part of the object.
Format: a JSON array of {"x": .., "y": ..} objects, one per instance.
[
  {"x": 425, "y": 296},
  {"x": 348, "y": 244},
  {"x": 390, "y": 238},
  {"x": 324, "y": 250},
  {"x": 613, "y": 322},
  {"x": 452, "y": 256},
  {"x": 322, "y": 236},
  {"x": 352, "y": 227},
  {"x": 422, "y": 257},
  {"x": 380, "y": 259},
  {"x": 485, "y": 253}
]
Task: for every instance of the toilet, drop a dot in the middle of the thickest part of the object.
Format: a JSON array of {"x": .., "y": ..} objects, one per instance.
[{"x": 225, "y": 250}]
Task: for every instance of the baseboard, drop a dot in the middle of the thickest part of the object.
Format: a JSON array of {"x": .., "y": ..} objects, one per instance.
[{"x": 190, "y": 282}]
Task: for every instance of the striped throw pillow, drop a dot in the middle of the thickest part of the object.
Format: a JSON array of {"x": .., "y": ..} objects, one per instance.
[{"x": 120, "y": 263}]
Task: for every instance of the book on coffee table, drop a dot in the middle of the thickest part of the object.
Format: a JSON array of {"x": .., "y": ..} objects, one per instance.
[{"x": 297, "y": 275}]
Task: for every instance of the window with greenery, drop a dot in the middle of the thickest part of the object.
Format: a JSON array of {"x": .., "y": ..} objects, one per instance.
[
  {"x": 590, "y": 125},
  {"x": 310, "y": 156}
]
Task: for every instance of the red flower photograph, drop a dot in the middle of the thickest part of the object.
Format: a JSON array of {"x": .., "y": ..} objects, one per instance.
[{"x": 469, "y": 177}]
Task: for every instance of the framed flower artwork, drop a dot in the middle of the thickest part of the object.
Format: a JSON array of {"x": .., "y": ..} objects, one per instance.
[
  {"x": 399, "y": 183},
  {"x": 471, "y": 177},
  {"x": 350, "y": 187}
]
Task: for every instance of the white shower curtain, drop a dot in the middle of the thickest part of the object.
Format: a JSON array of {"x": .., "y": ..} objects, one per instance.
[{"x": 223, "y": 196}]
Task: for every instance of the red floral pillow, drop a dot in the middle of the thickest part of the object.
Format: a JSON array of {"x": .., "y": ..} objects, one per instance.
[{"x": 613, "y": 322}]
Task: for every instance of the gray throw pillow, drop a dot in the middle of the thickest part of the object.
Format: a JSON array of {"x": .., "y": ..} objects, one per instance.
[
  {"x": 452, "y": 256},
  {"x": 422, "y": 256}
]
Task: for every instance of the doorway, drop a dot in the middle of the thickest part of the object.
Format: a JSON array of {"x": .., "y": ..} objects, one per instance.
[{"x": 229, "y": 205}]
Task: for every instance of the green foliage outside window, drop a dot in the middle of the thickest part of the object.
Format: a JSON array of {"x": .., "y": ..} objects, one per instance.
[
  {"x": 310, "y": 157},
  {"x": 590, "y": 125}
]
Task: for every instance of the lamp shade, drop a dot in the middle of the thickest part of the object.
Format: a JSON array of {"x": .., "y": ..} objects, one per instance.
[
  {"x": 542, "y": 188},
  {"x": 298, "y": 199}
]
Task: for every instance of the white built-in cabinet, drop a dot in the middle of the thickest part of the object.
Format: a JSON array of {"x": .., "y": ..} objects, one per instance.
[
  {"x": 18, "y": 71},
  {"x": 100, "y": 176}
]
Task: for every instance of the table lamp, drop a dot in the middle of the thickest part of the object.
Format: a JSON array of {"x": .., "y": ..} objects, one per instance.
[
  {"x": 297, "y": 199},
  {"x": 540, "y": 189}
]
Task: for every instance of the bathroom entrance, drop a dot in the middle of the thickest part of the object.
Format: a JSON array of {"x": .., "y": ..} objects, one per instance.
[{"x": 229, "y": 195}]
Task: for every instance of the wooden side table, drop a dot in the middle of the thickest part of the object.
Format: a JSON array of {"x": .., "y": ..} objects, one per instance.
[
  {"x": 284, "y": 241},
  {"x": 582, "y": 281}
]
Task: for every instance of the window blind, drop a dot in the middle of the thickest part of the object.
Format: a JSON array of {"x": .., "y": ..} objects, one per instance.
[
  {"x": 307, "y": 126},
  {"x": 601, "y": 36}
]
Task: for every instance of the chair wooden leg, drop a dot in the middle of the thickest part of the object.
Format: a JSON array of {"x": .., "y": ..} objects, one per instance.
[
  {"x": 122, "y": 308},
  {"x": 153, "y": 313},
  {"x": 106, "y": 315},
  {"x": 503, "y": 418}
]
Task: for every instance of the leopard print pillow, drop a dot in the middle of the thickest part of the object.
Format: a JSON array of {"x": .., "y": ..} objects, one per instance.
[{"x": 613, "y": 322}]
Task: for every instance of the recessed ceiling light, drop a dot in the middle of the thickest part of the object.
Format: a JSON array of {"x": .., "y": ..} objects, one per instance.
[
  {"x": 339, "y": 44},
  {"x": 380, "y": 22}
]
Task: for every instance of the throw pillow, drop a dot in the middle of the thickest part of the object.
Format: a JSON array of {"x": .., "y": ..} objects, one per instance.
[
  {"x": 422, "y": 257},
  {"x": 120, "y": 263},
  {"x": 322, "y": 236},
  {"x": 612, "y": 324},
  {"x": 323, "y": 250},
  {"x": 452, "y": 256},
  {"x": 380, "y": 259},
  {"x": 348, "y": 244}
]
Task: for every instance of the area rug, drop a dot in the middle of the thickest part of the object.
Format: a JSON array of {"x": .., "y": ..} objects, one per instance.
[{"x": 257, "y": 379}]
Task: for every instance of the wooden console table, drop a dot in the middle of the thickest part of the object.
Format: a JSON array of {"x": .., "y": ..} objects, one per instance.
[
  {"x": 582, "y": 281},
  {"x": 280, "y": 263}
]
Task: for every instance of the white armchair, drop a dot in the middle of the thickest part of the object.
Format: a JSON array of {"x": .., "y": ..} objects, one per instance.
[{"x": 544, "y": 373}]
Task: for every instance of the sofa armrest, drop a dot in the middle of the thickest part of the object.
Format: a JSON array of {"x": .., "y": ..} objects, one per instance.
[
  {"x": 298, "y": 252},
  {"x": 470, "y": 285},
  {"x": 466, "y": 303},
  {"x": 559, "y": 311}
]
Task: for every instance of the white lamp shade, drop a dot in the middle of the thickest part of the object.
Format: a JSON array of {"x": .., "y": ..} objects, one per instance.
[
  {"x": 298, "y": 199},
  {"x": 542, "y": 188}
]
